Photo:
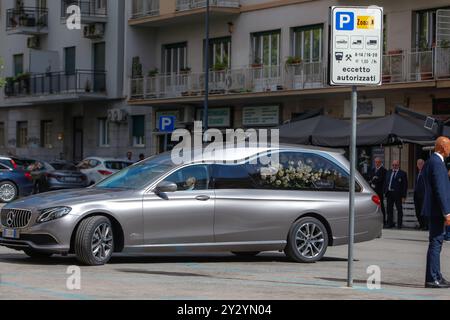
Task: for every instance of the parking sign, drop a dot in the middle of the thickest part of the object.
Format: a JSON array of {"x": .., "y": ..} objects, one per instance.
[
  {"x": 356, "y": 45},
  {"x": 167, "y": 123}
]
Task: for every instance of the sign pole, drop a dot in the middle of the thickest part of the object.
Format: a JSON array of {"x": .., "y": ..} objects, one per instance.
[
  {"x": 355, "y": 60},
  {"x": 351, "y": 225},
  {"x": 207, "y": 63}
]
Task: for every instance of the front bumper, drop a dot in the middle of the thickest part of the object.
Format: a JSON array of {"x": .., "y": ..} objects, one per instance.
[{"x": 51, "y": 237}]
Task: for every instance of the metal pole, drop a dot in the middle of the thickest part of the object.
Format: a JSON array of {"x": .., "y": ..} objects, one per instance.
[
  {"x": 205, "y": 104},
  {"x": 351, "y": 225}
]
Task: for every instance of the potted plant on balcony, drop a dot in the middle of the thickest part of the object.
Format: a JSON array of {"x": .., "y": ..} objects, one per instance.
[
  {"x": 220, "y": 66},
  {"x": 293, "y": 60},
  {"x": 257, "y": 63},
  {"x": 185, "y": 70},
  {"x": 9, "y": 86},
  {"x": 153, "y": 72},
  {"x": 444, "y": 44}
]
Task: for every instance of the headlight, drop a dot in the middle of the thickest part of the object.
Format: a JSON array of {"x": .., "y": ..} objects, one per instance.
[{"x": 52, "y": 214}]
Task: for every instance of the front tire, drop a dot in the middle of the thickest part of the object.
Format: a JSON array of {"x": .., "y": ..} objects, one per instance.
[
  {"x": 37, "y": 254},
  {"x": 94, "y": 241},
  {"x": 8, "y": 191},
  {"x": 307, "y": 240}
]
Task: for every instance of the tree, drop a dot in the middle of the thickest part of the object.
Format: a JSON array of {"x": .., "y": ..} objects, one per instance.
[{"x": 2, "y": 80}]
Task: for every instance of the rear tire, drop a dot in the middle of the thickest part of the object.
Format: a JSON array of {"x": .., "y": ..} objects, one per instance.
[
  {"x": 37, "y": 254},
  {"x": 247, "y": 254},
  {"x": 8, "y": 191},
  {"x": 307, "y": 240},
  {"x": 94, "y": 241}
]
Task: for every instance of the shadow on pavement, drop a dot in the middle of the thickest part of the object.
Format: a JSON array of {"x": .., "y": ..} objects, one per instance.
[
  {"x": 393, "y": 284},
  {"x": 155, "y": 259}
]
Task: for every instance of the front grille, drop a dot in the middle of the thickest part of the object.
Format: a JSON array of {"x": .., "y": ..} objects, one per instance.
[{"x": 15, "y": 218}]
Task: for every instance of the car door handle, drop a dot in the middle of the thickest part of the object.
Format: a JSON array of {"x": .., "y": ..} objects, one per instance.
[{"x": 202, "y": 198}]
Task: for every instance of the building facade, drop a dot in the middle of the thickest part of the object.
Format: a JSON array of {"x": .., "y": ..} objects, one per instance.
[
  {"x": 269, "y": 62},
  {"x": 102, "y": 89},
  {"x": 65, "y": 96}
]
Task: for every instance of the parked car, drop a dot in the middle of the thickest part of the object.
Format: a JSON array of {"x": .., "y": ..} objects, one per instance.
[
  {"x": 97, "y": 169},
  {"x": 56, "y": 175},
  {"x": 14, "y": 162},
  {"x": 231, "y": 203},
  {"x": 14, "y": 182}
]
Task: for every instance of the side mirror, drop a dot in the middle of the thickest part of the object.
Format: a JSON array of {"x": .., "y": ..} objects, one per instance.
[{"x": 165, "y": 186}]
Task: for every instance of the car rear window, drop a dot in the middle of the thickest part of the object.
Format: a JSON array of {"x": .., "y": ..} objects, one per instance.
[
  {"x": 7, "y": 163},
  {"x": 64, "y": 166},
  {"x": 116, "y": 165},
  {"x": 23, "y": 162}
]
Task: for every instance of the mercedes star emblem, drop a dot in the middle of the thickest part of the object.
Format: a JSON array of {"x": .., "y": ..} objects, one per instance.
[{"x": 10, "y": 218}]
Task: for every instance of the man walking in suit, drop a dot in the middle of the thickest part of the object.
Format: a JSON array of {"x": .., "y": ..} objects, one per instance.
[
  {"x": 419, "y": 191},
  {"x": 395, "y": 189},
  {"x": 436, "y": 208},
  {"x": 377, "y": 181}
]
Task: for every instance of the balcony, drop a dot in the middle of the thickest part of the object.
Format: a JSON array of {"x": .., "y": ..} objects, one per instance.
[
  {"x": 402, "y": 68},
  {"x": 160, "y": 13},
  {"x": 185, "y": 5},
  {"x": 234, "y": 81},
  {"x": 92, "y": 11},
  {"x": 80, "y": 82},
  {"x": 145, "y": 8},
  {"x": 27, "y": 21}
]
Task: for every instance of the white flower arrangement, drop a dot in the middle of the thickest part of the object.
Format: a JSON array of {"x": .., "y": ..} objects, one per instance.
[{"x": 301, "y": 176}]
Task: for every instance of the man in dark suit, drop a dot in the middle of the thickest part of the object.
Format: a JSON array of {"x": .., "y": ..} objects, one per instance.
[
  {"x": 436, "y": 208},
  {"x": 419, "y": 191},
  {"x": 395, "y": 189},
  {"x": 377, "y": 181}
]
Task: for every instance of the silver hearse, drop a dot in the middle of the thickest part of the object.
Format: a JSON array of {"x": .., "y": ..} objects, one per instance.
[{"x": 229, "y": 203}]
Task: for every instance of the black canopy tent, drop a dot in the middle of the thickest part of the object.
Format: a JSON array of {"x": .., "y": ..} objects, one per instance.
[
  {"x": 446, "y": 131},
  {"x": 390, "y": 130},
  {"x": 305, "y": 131}
]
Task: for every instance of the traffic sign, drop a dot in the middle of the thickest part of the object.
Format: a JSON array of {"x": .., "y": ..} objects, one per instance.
[
  {"x": 356, "y": 45},
  {"x": 167, "y": 123}
]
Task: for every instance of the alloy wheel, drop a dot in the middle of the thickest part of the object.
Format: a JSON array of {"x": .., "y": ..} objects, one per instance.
[
  {"x": 102, "y": 242},
  {"x": 7, "y": 192},
  {"x": 309, "y": 240}
]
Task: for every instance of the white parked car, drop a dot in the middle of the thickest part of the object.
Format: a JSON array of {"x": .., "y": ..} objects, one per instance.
[{"x": 96, "y": 169}]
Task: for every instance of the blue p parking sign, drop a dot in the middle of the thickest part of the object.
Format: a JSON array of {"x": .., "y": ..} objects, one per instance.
[
  {"x": 345, "y": 21},
  {"x": 167, "y": 123}
]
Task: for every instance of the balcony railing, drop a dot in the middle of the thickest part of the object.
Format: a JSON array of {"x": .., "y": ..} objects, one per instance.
[
  {"x": 243, "y": 80},
  {"x": 394, "y": 67},
  {"x": 442, "y": 63},
  {"x": 28, "y": 19},
  {"x": 183, "y": 5},
  {"x": 77, "y": 82},
  {"x": 306, "y": 75},
  {"x": 143, "y": 8},
  {"x": 398, "y": 67},
  {"x": 88, "y": 8},
  {"x": 420, "y": 65}
]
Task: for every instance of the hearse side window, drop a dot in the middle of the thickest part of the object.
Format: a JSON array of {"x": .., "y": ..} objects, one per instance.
[
  {"x": 303, "y": 171},
  {"x": 232, "y": 176},
  {"x": 190, "y": 178}
]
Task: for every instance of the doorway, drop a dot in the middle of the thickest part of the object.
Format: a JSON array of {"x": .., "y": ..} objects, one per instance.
[
  {"x": 77, "y": 139},
  {"x": 99, "y": 67}
]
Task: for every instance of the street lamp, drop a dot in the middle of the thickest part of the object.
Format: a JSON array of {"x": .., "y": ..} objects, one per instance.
[{"x": 206, "y": 55}]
